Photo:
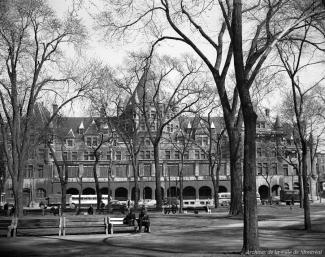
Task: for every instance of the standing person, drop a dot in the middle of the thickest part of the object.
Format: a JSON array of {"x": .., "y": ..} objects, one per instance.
[
  {"x": 292, "y": 202},
  {"x": 5, "y": 209},
  {"x": 140, "y": 219},
  {"x": 91, "y": 210}
]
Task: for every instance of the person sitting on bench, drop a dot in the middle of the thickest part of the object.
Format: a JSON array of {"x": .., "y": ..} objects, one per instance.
[{"x": 130, "y": 218}]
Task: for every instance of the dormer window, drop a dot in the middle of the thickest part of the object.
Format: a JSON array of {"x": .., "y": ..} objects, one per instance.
[
  {"x": 91, "y": 141},
  {"x": 69, "y": 142},
  {"x": 81, "y": 128}
]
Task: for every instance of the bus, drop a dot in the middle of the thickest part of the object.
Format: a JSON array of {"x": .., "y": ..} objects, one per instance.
[{"x": 86, "y": 200}]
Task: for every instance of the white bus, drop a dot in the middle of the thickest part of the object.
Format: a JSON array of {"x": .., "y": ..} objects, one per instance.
[{"x": 86, "y": 200}]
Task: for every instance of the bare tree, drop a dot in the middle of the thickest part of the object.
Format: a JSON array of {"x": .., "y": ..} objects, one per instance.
[
  {"x": 169, "y": 89},
  {"x": 214, "y": 149},
  {"x": 182, "y": 140},
  {"x": 184, "y": 22},
  {"x": 30, "y": 46},
  {"x": 271, "y": 27}
]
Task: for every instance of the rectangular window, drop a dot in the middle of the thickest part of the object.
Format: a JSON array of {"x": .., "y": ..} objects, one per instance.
[
  {"x": 88, "y": 141},
  {"x": 103, "y": 171},
  {"x": 121, "y": 171},
  {"x": 147, "y": 170},
  {"x": 203, "y": 155},
  {"x": 295, "y": 170},
  {"x": 118, "y": 155},
  {"x": 30, "y": 171},
  {"x": 274, "y": 169},
  {"x": 65, "y": 156},
  {"x": 141, "y": 155},
  {"x": 285, "y": 170},
  {"x": 147, "y": 155},
  {"x": 265, "y": 169},
  {"x": 186, "y": 155},
  {"x": 40, "y": 171},
  {"x": 259, "y": 169},
  {"x": 188, "y": 170},
  {"x": 95, "y": 141},
  {"x": 70, "y": 142},
  {"x": 204, "y": 169},
  {"x": 73, "y": 171},
  {"x": 86, "y": 156},
  {"x": 197, "y": 154},
  {"x": 167, "y": 155},
  {"x": 109, "y": 155},
  {"x": 41, "y": 154},
  {"x": 172, "y": 170},
  {"x": 259, "y": 152},
  {"x": 205, "y": 141},
  {"x": 74, "y": 156},
  {"x": 177, "y": 155},
  {"x": 88, "y": 171}
]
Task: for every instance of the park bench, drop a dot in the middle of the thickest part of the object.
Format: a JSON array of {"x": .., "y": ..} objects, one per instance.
[
  {"x": 80, "y": 222},
  {"x": 18, "y": 225},
  {"x": 4, "y": 223},
  {"x": 118, "y": 222}
]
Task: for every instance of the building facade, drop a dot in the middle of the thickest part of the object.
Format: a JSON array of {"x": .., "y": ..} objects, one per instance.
[{"x": 75, "y": 139}]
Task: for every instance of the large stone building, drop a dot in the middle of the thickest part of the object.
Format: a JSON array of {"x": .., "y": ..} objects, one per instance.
[{"x": 75, "y": 138}]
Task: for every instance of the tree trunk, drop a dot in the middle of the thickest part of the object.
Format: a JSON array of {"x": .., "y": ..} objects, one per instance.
[
  {"x": 135, "y": 167},
  {"x": 307, "y": 220},
  {"x": 63, "y": 196},
  {"x": 235, "y": 172},
  {"x": 98, "y": 193},
  {"x": 18, "y": 197},
  {"x": 215, "y": 183},
  {"x": 158, "y": 176},
  {"x": 109, "y": 172},
  {"x": 181, "y": 187},
  {"x": 250, "y": 235}
]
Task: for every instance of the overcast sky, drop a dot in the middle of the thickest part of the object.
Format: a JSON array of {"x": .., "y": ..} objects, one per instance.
[{"x": 113, "y": 54}]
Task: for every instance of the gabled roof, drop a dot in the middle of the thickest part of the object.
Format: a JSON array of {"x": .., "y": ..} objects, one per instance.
[
  {"x": 70, "y": 134},
  {"x": 92, "y": 129}
]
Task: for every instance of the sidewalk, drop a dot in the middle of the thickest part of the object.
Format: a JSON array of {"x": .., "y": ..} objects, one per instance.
[{"x": 184, "y": 235}]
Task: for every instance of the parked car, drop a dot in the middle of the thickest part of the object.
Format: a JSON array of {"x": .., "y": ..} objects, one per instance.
[
  {"x": 148, "y": 203},
  {"x": 118, "y": 206}
]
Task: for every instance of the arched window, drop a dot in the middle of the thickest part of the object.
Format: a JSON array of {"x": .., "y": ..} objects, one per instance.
[
  {"x": 189, "y": 193},
  {"x": 73, "y": 191},
  {"x": 222, "y": 189},
  {"x": 121, "y": 194},
  {"x": 88, "y": 191},
  {"x": 205, "y": 192}
]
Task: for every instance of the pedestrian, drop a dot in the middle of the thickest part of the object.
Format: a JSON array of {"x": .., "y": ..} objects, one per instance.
[
  {"x": 292, "y": 202},
  {"x": 140, "y": 219},
  {"x": 5, "y": 209},
  {"x": 90, "y": 210},
  {"x": 12, "y": 210}
]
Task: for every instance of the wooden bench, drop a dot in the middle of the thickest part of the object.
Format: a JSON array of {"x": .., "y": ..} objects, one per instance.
[
  {"x": 118, "y": 222},
  {"x": 18, "y": 225},
  {"x": 4, "y": 223},
  {"x": 80, "y": 222}
]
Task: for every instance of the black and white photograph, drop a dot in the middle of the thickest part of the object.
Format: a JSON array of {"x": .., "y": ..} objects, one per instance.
[{"x": 162, "y": 128}]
